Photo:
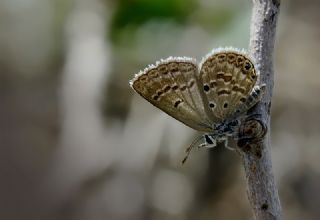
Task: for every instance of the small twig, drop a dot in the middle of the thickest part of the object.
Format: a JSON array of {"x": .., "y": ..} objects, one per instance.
[{"x": 255, "y": 150}]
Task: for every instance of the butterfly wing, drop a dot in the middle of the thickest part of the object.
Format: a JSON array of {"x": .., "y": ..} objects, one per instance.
[
  {"x": 228, "y": 77},
  {"x": 172, "y": 85}
]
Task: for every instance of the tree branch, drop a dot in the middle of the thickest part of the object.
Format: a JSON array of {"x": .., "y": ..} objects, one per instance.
[{"x": 255, "y": 151}]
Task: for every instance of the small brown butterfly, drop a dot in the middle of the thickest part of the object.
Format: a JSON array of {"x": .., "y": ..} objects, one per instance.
[{"x": 209, "y": 97}]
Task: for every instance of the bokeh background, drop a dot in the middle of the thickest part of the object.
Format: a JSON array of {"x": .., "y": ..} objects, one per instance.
[{"x": 76, "y": 143}]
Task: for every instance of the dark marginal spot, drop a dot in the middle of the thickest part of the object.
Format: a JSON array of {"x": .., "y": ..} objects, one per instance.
[
  {"x": 221, "y": 58},
  {"x": 211, "y": 105},
  {"x": 247, "y": 66},
  {"x": 253, "y": 76},
  {"x": 225, "y": 105},
  {"x": 224, "y": 92},
  {"x": 174, "y": 67},
  {"x": 143, "y": 78},
  {"x": 166, "y": 88},
  {"x": 208, "y": 140},
  {"x": 159, "y": 93},
  {"x": 175, "y": 87},
  {"x": 162, "y": 68},
  {"x": 177, "y": 103},
  {"x": 206, "y": 88},
  {"x": 174, "y": 70},
  {"x": 153, "y": 74},
  {"x": 231, "y": 58},
  {"x": 264, "y": 206},
  {"x": 240, "y": 60}
]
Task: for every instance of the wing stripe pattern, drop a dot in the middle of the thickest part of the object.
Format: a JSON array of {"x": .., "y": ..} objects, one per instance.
[
  {"x": 200, "y": 96},
  {"x": 230, "y": 77},
  {"x": 171, "y": 85}
]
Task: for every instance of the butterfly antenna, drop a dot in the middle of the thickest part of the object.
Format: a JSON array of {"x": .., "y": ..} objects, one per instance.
[{"x": 188, "y": 150}]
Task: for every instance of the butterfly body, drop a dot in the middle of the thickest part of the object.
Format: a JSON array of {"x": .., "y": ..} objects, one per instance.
[{"x": 208, "y": 97}]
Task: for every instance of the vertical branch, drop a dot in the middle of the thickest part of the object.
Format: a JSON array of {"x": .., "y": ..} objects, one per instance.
[{"x": 255, "y": 152}]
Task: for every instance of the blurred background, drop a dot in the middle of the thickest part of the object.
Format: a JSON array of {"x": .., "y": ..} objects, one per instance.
[{"x": 76, "y": 143}]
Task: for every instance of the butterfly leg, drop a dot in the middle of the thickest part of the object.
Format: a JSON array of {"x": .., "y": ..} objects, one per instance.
[
  {"x": 255, "y": 95},
  {"x": 230, "y": 130},
  {"x": 209, "y": 141},
  {"x": 226, "y": 145}
]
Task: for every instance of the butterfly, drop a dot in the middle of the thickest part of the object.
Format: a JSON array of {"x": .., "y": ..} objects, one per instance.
[{"x": 210, "y": 96}]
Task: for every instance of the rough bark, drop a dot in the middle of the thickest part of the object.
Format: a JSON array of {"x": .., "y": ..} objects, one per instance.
[{"x": 255, "y": 151}]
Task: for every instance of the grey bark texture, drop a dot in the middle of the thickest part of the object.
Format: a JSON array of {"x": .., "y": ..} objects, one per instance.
[{"x": 255, "y": 152}]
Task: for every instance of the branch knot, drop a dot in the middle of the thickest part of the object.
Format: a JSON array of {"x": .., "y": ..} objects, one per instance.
[{"x": 251, "y": 134}]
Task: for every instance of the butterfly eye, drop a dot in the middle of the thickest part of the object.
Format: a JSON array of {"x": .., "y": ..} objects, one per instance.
[{"x": 234, "y": 123}]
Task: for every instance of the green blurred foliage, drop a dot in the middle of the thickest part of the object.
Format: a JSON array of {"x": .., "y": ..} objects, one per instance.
[
  {"x": 129, "y": 15},
  {"x": 133, "y": 13}
]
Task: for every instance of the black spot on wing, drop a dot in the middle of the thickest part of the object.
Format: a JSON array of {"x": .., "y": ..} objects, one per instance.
[
  {"x": 175, "y": 87},
  {"x": 166, "y": 88},
  {"x": 206, "y": 88},
  {"x": 177, "y": 103},
  {"x": 211, "y": 105}
]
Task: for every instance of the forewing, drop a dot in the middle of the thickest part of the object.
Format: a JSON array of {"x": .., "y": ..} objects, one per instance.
[
  {"x": 172, "y": 86},
  {"x": 228, "y": 77}
]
